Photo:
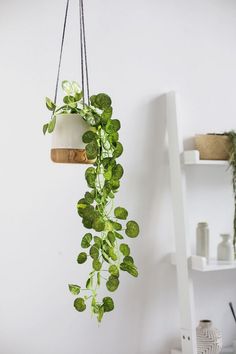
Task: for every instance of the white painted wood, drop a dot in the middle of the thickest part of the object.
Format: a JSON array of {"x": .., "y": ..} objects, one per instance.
[
  {"x": 201, "y": 264},
  {"x": 227, "y": 350},
  {"x": 177, "y": 174},
  {"x": 192, "y": 157}
]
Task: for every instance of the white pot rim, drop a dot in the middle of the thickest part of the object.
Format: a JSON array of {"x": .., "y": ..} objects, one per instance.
[{"x": 70, "y": 115}]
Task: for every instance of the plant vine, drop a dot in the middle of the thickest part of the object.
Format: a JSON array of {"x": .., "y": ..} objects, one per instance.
[
  {"x": 104, "y": 244},
  {"x": 232, "y": 163}
]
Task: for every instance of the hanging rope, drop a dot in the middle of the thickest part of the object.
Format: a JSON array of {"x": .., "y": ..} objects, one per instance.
[
  {"x": 83, "y": 53},
  {"x": 61, "y": 50},
  {"x": 84, "y": 61}
]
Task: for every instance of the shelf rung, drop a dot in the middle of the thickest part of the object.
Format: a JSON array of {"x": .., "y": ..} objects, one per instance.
[{"x": 192, "y": 157}]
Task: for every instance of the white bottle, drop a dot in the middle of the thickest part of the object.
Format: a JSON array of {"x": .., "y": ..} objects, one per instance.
[
  {"x": 225, "y": 249},
  {"x": 202, "y": 240}
]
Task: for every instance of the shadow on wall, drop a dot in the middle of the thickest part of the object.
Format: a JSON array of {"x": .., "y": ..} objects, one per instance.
[{"x": 156, "y": 287}]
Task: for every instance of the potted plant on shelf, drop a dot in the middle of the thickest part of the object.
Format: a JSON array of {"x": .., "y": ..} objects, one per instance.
[
  {"x": 104, "y": 244},
  {"x": 220, "y": 147}
]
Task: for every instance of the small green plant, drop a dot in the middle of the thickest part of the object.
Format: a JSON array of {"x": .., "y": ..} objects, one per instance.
[
  {"x": 232, "y": 163},
  {"x": 104, "y": 244}
]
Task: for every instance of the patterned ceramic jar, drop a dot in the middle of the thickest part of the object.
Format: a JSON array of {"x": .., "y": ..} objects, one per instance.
[{"x": 209, "y": 339}]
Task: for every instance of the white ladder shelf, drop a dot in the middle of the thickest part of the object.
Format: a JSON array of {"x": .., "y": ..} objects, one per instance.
[{"x": 182, "y": 258}]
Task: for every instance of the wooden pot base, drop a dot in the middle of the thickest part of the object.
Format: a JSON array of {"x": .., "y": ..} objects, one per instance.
[{"x": 70, "y": 156}]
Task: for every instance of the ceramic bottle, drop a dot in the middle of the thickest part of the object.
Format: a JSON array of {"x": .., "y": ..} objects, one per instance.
[
  {"x": 202, "y": 240},
  {"x": 225, "y": 249}
]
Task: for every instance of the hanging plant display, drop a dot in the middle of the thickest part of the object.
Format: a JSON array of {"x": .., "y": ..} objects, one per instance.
[
  {"x": 104, "y": 244},
  {"x": 83, "y": 131}
]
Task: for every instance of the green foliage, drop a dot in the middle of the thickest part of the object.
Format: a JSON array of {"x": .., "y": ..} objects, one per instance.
[
  {"x": 107, "y": 253},
  {"x": 232, "y": 163},
  {"x": 82, "y": 258},
  {"x": 121, "y": 213},
  {"x": 86, "y": 240},
  {"x": 108, "y": 304},
  {"x": 74, "y": 289},
  {"x": 132, "y": 229},
  {"x": 79, "y": 304}
]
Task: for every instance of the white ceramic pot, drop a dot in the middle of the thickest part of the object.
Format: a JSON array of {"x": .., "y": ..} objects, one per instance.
[
  {"x": 68, "y": 132},
  {"x": 209, "y": 339},
  {"x": 225, "y": 249},
  {"x": 67, "y": 144}
]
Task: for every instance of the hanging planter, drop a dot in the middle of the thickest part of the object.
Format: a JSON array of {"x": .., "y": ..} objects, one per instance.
[
  {"x": 83, "y": 130},
  {"x": 67, "y": 127}
]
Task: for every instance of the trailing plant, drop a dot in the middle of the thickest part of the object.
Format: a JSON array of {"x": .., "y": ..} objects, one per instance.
[
  {"x": 108, "y": 226},
  {"x": 232, "y": 163}
]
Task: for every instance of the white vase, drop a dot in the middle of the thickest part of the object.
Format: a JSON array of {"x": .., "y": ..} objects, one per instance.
[
  {"x": 67, "y": 144},
  {"x": 202, "y": 240},
  {"x": 225, "y": 249},
  {"x": 209, "y": 339}
]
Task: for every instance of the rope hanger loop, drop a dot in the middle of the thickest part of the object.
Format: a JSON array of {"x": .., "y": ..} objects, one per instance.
[{"x": 83, "y": 54}]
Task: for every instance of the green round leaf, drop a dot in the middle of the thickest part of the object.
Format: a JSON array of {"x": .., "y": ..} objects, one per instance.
[
  {"x": 128, "y": 259},
  {"x": 94, "y": 252},
  {"x": 97, "y": 265},
  {"x": 51, "y": 124},
  {"x": 108, "y": 304},
  {"x": 99, "y": 224},
  {"x": 45, "y": 128},
  {"x": 112, "y": 283},
  {"x": 119, "y": 236},
  {"x": 82, "y": 257},
  {"x": 125, "y": 250},
  {"x": 91, "y": 150},
  {"x": 89, "y": 136},
  {"x": 117, "y": 171},
  {"x": 81, "y": 206},
  {"x": 78, "y": 96},
  {"x": 89, "y": 197},
  {"x": 114, "y": 137},
  {"x": 50, "y": 105},
  {"x": 102, "y": 101},
  {"x": 106, "y": 114},
  {"x": 75, "y": 87},
  {"x": 113, "y": 270},
  {"x": 130, "y": 268},
  {"x": 111, "y": 237},
  {"x": 113, "y": 125},
  {"x": 132, "y": 229},
  {"x": 79, "y": 304},
  {"x": 121, "y": 213},
  {"x": 118, "y": 150},
  {"x": 115, "y": 184},
  {"x": 112, "y": 254},
  {"x": 86, "y": 240},
  {"x": 69, "y": 99},
  {"x": 74, "y": 289},
  {"x": 67, "y": 87},
  {"x": 98, "y": 241},
  {"x": 117, "y": 226}
]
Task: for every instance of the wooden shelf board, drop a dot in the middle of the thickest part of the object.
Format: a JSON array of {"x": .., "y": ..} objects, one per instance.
[{"x": 192, "y": 157}]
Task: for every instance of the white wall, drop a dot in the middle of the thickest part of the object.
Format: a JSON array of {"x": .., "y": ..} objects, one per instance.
[{"x": 138, "y": 50}]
